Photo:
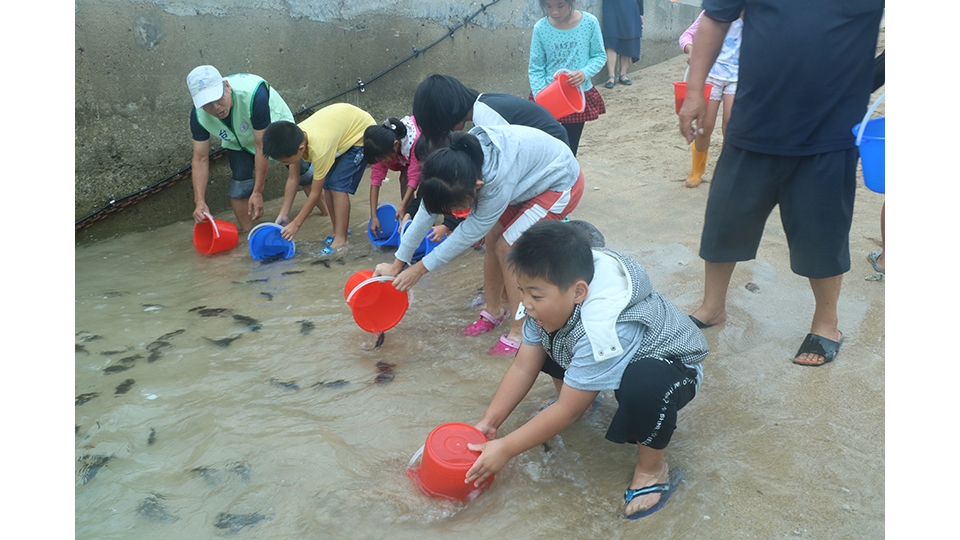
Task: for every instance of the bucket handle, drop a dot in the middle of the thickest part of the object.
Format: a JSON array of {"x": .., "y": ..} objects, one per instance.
[
  {"x": 415, "y": 457},
  {"x": 367, "y": 282},
  {"x": 214, "y": 222},
  {"x": 685, "y": 73},
  {"x": 866, "y": 117}
]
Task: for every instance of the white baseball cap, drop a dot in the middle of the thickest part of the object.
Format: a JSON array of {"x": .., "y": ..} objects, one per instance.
[{"x": 205, "y": 84}]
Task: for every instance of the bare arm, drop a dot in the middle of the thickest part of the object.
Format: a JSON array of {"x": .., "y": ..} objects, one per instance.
[
  {"x": 260, "y": 165},
  {"x": 495, "y": 454},
  {"x": 374, "y": 200},
  {"x": 706, "y": 48},
  {"x": 200, "y": 176},
  {"x": 289, "y": 193}
]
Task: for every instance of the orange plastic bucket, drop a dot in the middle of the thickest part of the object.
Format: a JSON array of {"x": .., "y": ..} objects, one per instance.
[
  {"x": 560, "y": 98},
  {"x": 445, "y": 462},
  {"x": 376, "y": 304},
  {"x": 680, "y": 93},
  {"x": 213, "y": 235}
]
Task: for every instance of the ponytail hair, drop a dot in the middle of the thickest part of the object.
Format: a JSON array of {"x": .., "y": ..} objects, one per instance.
[
  {"x": 378, "y": 140},
  {"x": 449, "y": 175}
]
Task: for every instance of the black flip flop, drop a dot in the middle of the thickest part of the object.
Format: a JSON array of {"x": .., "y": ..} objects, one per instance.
[
  {"x": 700, "y": 325},
  {"x": 819, "y": 345}
]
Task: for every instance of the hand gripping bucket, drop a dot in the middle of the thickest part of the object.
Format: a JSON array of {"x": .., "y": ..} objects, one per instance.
[
  {"x": 426, "y": 245},
  {"x": 265, "y": 242},
  {"x": 389, "y": 234},
  {"x": 445, "y": 461},
  {"x": 680, "y": 91},
  {"x": 376, "y": 304},
  {"x": 560, "y": 98},
  {"x": 870, "y": 140},
  {"x": 213, "y": 235}
]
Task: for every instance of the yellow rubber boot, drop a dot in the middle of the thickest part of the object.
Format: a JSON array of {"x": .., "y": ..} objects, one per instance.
[{"x": 699, "y": 166}]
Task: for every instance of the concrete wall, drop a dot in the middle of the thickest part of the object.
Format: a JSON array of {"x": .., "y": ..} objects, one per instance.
[{"x": 132, "y": 58}]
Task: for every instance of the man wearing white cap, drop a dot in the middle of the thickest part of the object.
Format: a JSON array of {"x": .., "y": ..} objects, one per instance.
[{"x": 237, "y": 109}]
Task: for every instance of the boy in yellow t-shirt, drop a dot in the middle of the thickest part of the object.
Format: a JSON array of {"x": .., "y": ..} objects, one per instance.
[{"x": 332, "y": 140}]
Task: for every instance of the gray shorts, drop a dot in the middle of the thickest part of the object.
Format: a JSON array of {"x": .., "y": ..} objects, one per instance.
[{"x": 242, "y": 181}]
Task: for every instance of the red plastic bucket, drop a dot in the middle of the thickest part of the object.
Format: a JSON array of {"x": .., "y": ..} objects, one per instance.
[
  {"x": 213, "y": 235},
  {"x": 560, "y": 98},
  {"x": 680, "y": 93},
  {"x": 445, "y": 462},
  {"x": 376, "y": 304}
]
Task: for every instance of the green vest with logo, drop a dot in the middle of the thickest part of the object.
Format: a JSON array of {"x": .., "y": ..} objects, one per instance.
[{"x": 240, "y": 136}]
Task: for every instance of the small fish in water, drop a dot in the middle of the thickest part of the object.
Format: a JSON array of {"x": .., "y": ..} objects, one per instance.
[
  {"x": 268, "y": 295},
  {"x": 115, "y": 369},
  {"x": 234, "y": 523},
  {"x": 752, "y": 287},
  {"x": 114, "y": 294},
  {"x": 212, "y": 312},
  {"x": 124, "y": 387},
  {"x": 383, "y": 367},
  {"x": 324, "y": 262},
  {"x": 383, "y": 378},
  {"x": 261, "y": 280},
  {"x": 341, "y": 262},
  {"x": 286, "y": 385},
  {"x": 306, "y": 327},
  {"x": 158, "y": 345},
  {"x": 546, "y": 447},
  {"x": 252, "y": 324},
  {"x": 215, "y": 477},
  {"x": 91, "y": 466},
  {"x": 169, "y": 335},
  {"x": 339, "y": 383},
  {"x": 130, "y": 359},
  {"x": 289, "y": 272},
  {"x": 154, "y": 356},
  {"x": 82, "y": 349},
  {"x": 151, "y": 307},
  {"x": 87, "y": 337},
  {"x": 380, "y": 337},
  {"x": 273, "y": 258},
  {"x": 223, "y": 342},
  {"x": 153, "y": 508},
  {"x": 198, "y": 308},
  {"x": 83, "y": 398},
  {"x": 242, "y": 470},
  {"x": 152, "y": 438}
]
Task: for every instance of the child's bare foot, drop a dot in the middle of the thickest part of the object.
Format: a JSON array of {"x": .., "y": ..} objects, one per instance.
[{"x": 642, "y": 479}]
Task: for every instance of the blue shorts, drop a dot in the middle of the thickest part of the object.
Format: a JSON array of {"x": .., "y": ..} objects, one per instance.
[
  {"x": 347, "y": 170},
  {"x": 815, "y": 195}
]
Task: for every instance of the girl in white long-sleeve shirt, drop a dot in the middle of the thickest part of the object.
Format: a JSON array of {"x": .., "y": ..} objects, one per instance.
[{"x": 503, "y": 179}]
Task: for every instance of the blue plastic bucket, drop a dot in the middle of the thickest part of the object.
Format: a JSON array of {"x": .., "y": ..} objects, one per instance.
[
  {"x": 870, "y": 140},
  {"x": 389, "y": 233},
  {"x": 266, "y": 242}
]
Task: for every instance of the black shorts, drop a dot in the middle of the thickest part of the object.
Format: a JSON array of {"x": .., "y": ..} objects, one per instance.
[
  {"x": 815, "y": 195},
  {"x": 650, "y": 394}
]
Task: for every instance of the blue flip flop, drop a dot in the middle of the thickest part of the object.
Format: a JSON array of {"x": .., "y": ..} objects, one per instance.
[
  {"x": 329, "y": 240},
  {"x": 873, "y": 257},
  {"x": 665, "y": 490}
]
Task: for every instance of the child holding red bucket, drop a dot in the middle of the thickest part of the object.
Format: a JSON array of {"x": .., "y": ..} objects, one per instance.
[
  {"x": 505, "y": 179},
  {"x": 594, "y": 323},
  {"x": 332, "y": 140},
  {"x": 568, "y": 39},
  {"x": 723, "y": 77}
]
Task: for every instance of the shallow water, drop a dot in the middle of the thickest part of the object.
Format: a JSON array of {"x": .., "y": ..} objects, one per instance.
[{"x": 281, "y": 430}]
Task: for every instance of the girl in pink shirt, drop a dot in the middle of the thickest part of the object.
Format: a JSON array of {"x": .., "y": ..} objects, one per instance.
[{"x": 389, "y": 146}]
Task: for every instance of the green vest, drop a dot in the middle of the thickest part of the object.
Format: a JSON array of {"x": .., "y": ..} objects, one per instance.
[{"x": 244, "y": 86}]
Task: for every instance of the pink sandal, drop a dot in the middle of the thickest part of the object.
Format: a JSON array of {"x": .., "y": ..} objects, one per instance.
[
  {"x": 504, "y": 347},
  {"x": 485, "y": 323}
]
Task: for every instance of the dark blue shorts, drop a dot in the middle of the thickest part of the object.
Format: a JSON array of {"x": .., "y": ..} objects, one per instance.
[
  {"x": 346, "y": 172},
  {"x": 815, "y": 195}
]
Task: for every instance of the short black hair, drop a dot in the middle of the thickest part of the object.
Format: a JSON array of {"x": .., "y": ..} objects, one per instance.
[
  {"x": 378, "y": 140},
  {"x": 555, "y": 251},
  {"x": 440, "y": 103},
  {"x": 448, "y": 177},
  {"x": 281, "y": 139}
]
